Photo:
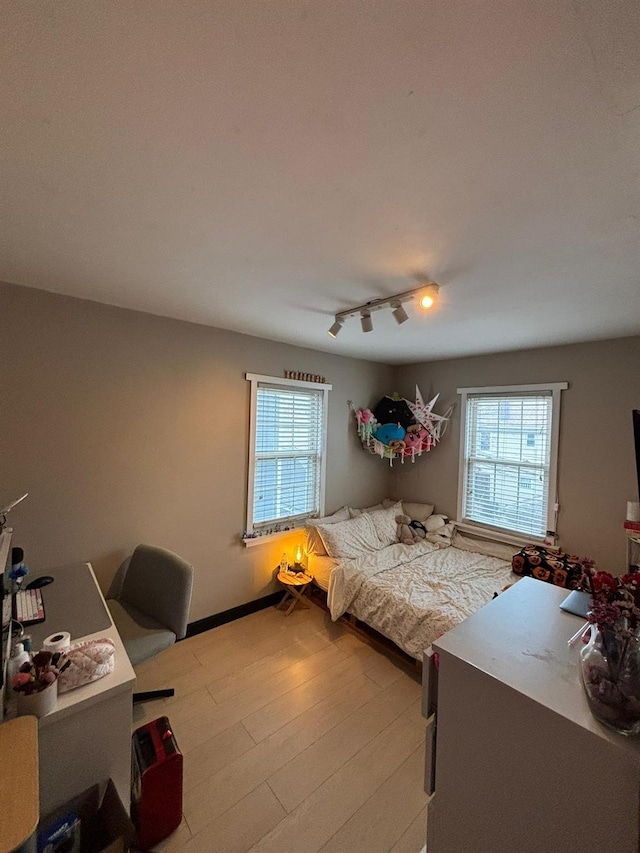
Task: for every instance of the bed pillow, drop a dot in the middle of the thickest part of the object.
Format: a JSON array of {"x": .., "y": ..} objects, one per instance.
[
  {"x": 349, "y": 539},
  {"x": 315, "y": 544},
  {"x": 354, "y": 512},
  {"x": 384, "y": 521},
  {"x": 416, "y": 511}
]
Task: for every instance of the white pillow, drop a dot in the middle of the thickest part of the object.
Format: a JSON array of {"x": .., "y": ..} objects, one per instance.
[
  {"x": 314, "y": 542},
  {"x": 384, "y": 521},
  {"x": 416, "y": 511},
  {"x": 349, "y": 539},
  {"x": 354, "y": 512}
]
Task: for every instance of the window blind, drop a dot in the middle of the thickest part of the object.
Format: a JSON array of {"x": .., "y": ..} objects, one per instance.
[
  {"x": 507, "y": 460},
  {"x": 288, "y": 454}
]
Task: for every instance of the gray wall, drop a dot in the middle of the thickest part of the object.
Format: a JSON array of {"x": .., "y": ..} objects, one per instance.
[
  {"x": 127, "y": 428},
  {"x": 596, "y": 456}
]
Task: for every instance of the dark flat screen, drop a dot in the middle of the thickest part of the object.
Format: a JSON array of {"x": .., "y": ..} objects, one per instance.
[{"x": 71, "y": 603}]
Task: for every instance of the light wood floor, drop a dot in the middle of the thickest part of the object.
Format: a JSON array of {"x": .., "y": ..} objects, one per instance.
[{"x": 297, "y": 736}]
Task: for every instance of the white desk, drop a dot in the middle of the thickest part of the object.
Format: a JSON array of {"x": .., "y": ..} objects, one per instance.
[
  {"x": 520, "y": 761},
  {"x": 87, "y": 737}
]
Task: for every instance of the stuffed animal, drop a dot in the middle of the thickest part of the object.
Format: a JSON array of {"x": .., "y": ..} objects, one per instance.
[
  {"x": 435, "y": 522},
  {"x": 396, "y": 446},
  {"x": 409, "y": 534},
  {"x": 386, "y": 433},
  {"x": 414, "y": 524},
  {"x": 415, "y": 440},
  {"x": 366, "y": 415},
  {"x": 439, "y": 529},
  {"x": 366, "y": 423},
  {"x": 394, "y": 410}
]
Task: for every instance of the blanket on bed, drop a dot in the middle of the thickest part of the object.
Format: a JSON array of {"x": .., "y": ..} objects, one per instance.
[
  {"x": 348, "y": 577},
  {"x": 414, "y": 593}
]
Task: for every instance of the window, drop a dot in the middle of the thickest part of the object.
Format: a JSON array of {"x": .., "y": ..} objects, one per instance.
[
  {"x": 286, "y": 452},
  {"x": 508, "y": 462}
]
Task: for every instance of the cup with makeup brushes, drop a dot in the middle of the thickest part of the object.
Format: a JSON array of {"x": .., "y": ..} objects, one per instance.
[{"x": 36, "y": 684}]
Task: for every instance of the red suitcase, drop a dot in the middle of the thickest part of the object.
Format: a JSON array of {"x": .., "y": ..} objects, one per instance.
[{"x": 156, "y": 784}]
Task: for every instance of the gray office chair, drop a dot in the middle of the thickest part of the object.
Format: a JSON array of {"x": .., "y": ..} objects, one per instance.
[{"x": 152, "y": 606}]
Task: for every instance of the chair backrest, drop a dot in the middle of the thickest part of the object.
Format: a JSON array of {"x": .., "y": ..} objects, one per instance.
[{"x": 159, "y": 583}]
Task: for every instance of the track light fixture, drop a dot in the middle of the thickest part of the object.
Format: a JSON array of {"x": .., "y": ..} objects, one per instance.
[
  {"x": 426, "y": 296},
  {"x": 335, "y": 329},
  {"x": 399, "y": 314}
]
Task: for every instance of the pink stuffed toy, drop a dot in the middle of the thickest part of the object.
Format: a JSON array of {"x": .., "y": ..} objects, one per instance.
[
  {"x": 366, "y": 423},
  {"x": 417, "y": 440}
]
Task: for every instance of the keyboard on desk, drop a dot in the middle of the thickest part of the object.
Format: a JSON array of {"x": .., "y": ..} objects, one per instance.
[{"x": 28, "y": 606}]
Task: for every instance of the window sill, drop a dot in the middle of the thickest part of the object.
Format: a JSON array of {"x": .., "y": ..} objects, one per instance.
[
  {"x": 498, "y": 535},
  {"x": 272, "y": 537}
]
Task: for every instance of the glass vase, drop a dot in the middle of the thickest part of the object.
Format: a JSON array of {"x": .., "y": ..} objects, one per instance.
[{"x": 610, "y": 670}]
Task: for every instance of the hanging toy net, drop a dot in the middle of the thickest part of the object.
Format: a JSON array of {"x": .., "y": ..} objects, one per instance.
[{"x": 398, "y": 429}]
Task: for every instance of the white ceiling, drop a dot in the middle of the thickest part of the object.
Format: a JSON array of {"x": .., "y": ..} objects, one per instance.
[{"x": 259, "y": 166}]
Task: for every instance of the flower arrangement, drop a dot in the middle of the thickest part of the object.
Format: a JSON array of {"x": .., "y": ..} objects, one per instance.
[
  {"x": 38, "y": 674},
  {"x": 610, "y": 662},
  {"x": 615, "y": 601}
]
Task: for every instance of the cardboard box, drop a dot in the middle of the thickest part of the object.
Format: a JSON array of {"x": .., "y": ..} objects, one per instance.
[{"x": 105, "y": 826}]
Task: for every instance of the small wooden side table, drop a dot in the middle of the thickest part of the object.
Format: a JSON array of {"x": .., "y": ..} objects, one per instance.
[{"x": 296, "y": 585}]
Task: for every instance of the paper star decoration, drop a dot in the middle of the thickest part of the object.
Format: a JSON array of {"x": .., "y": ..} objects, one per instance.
[{"x": 426, "y": 417}]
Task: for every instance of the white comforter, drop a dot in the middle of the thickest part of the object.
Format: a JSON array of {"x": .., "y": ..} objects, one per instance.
[{"x": 414, "y": 593}]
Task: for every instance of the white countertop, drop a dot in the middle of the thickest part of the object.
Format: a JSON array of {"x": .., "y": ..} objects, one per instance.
[{"x": 122, "y": 678}]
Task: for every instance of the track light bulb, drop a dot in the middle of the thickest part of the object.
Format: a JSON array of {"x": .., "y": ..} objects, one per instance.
[
  {"x": 333, "y": 331},
  {"x": 428, "y": 298},
  {"x": 366, "y": 322},
  {"x": 399, "y": 314},
  {"x": 426, "y": 301}
]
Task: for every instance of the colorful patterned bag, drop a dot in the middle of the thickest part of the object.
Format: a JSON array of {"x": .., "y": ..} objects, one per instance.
[{"x": 548, "y": 564}]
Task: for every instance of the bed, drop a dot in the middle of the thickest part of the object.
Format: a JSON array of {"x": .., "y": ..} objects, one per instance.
[{"x": 412, "y": 594}]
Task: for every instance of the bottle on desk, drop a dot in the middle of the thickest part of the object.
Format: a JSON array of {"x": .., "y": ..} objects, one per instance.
[
  {"x": 19, "y": 656},
  {"x": 284, "y": 563}
]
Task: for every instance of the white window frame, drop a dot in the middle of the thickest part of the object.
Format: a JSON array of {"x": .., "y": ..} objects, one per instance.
[
  {"x": 256, "y": 380},
  {"x": 501, "y": 533}
]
